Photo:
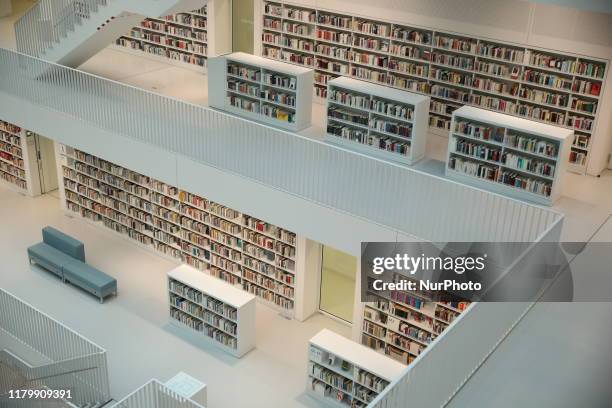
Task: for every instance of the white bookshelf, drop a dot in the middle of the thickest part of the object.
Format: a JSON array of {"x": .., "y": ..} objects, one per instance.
[
  {"x": 12, "y": 157},
  {"x": 258, "y": 257},
  {"x": 257, "y": 88},
  {"x": 346, "y": 374},
  {"x": 182, "y": 37},
  {"x": 18, "y": 169},
  {"x": 219, "y": 313},
  {"x": 403, "y": 324},
  {"x": 508, "y": 155},
  {"x": 454, "y": 69},
  {"x": 377, "y": 120}
]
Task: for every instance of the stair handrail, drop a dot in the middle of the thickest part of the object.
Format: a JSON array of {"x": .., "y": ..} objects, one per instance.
[{"x": 47, "y": 21}]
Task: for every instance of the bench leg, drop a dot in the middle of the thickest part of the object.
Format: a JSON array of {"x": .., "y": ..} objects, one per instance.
[{"x": 101, "y": 300}]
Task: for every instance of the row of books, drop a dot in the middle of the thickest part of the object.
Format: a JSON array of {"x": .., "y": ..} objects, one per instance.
[
  {"x": 200, "y": 238},
  {"x": 495, "y": 174},
  {"x": 567, "y": 65},
  {"x": 172, "y": 54}
]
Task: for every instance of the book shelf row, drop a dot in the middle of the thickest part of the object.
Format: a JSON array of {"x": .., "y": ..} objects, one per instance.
[
  {"x": 240, "y": 249},
  {"x": 12, "y": 165},
  {"x": 342, "y": 373},
  {"x": 455, "y": 70},
  {"x": 179, "y": 37}
]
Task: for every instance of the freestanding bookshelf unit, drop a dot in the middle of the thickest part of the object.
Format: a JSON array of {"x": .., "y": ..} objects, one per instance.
[
  {"x": 271, "y": 92},
  {"x": 220, "y": 313},
  {"x": 347, "y": 374},
  {"x": 377, "y": 120},
  {"x": 508, "y": 155}
]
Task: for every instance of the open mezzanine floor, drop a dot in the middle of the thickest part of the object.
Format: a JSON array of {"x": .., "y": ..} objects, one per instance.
[{"x": 134, "y": 327}]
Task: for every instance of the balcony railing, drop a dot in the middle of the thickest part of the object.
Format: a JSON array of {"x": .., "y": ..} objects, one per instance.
[
  {"x": 156, "y": 395},
  {"x": 70, "y": 362},
  {"x": 401, "y": 198}
]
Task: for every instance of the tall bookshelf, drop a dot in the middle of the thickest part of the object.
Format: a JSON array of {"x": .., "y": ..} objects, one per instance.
[
  {"x": 249, "y": 253},
  {"x": 12, "y": 163},
  {"x": 377, "y": 120},
  {"x": 508, "y": 155},
  {"x": 181, "y": 37},
  {"x": 454, "y": 70},
  {"x": 216, "y": 312},
  {"x": 267, "y": 91},
  {"x": 346, "y": 374},
  {"x": 403, "y": 324}
]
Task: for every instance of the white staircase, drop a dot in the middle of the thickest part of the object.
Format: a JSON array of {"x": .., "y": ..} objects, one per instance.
[{"x": 69, "y": 32}]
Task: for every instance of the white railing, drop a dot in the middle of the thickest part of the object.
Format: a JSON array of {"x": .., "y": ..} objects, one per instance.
[
  {"x": 156, "y": 395},
  {"x": 72, "y": 361},
  {"x": 434, "y": 378},
  {"x": 48, "y": 21},
  {"x": 401, "y": 198}
]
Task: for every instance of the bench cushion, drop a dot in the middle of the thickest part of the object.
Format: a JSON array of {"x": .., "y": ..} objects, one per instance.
[
  {"x": 89, "y": 278},
  {"x": 49, "y": 257},
  {"x": 64, "y": 243}
]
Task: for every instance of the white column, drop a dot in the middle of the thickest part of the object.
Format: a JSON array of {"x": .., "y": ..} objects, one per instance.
[{"x": 307, "y": 278}]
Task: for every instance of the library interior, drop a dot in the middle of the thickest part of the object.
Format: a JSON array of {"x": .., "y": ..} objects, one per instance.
[{"x": 187, "y": 189}]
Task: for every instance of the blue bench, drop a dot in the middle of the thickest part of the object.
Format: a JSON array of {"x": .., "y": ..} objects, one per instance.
[{"x": 65, "y": 257}]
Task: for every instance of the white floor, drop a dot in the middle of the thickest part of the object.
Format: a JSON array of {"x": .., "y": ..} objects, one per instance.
[{"x": 133, "y": 327}]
